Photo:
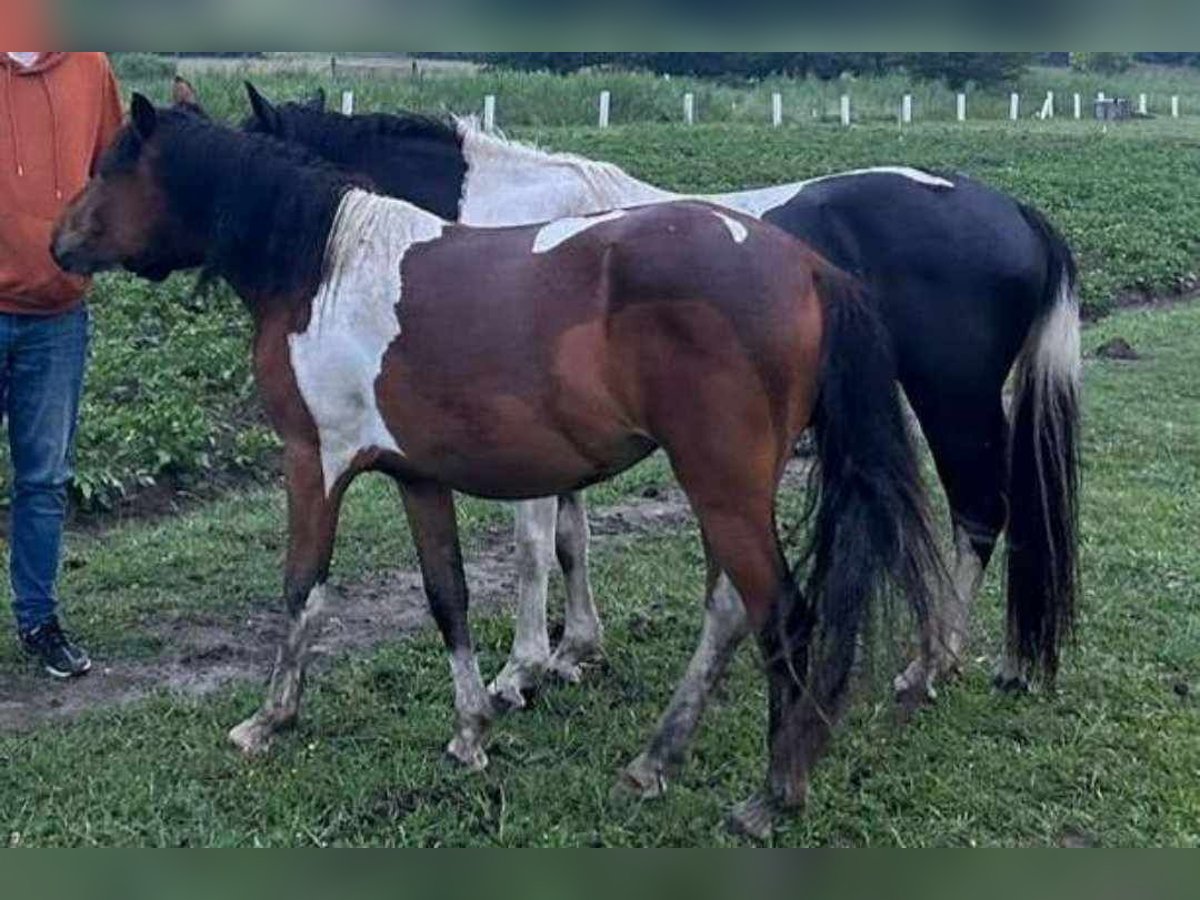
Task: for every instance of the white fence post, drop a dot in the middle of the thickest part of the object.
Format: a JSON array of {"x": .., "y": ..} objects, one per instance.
[
  {"x": 1014, "y": 106},
  {"x": 1143, "y": 107},
  {"x": 906, "y": 109},
  {"x": 605, "y": 107},
  {"x": 1047, "y": 110},
  {"x": 689, "y": 108},
  {"x": 777, "y": 109},
  {"x": 1078, "y": 106},
  {"x": 1100, "y": 96},
  {"x": 1175, "y": 106},
  {"x": 347, "y": 103},
  {"x": 489, "y": 112},
  {"x": 962, "y": 108},
  {"x": 846, "y": 109}
]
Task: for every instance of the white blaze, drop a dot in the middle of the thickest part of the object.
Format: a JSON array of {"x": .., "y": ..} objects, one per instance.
[{"x": 354, "y": 319}]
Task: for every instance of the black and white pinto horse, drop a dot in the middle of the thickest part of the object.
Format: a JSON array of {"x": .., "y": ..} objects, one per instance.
[{"x": 973, "y": 286}]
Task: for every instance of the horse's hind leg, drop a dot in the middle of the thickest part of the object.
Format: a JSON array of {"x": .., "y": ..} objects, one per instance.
[
  {"x": 583, "y": 635},
  {"x": 430, "y": 510},
  {"x": 534, "y": 527},
  {"x": 312, "y": 526},
  {"x": 724, "y": 630},
  {"x": 969, "y": 443}
]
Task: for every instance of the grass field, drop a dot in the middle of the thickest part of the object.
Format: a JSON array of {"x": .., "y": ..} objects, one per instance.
[{"x": 1112, "y": 759}]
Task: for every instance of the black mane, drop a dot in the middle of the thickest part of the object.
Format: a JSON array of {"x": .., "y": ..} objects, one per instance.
[
  {"x": 265, "y": 206},
  {"x": 409, "y": 156}
]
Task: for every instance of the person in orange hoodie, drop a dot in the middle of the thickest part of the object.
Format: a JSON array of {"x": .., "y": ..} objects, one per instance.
[{"x": 58, "y": 111}]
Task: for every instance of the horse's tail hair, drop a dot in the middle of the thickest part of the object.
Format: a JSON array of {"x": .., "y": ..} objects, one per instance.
[
  {"x": 870, "y": 536},
  {"x": 1043, "y": 522}
]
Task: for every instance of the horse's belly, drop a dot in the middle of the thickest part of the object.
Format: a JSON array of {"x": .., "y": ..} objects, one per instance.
[{"x": 511, "y": 448}]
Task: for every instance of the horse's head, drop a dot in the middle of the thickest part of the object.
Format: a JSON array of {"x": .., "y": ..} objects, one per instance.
[
  {"x": 123, "y": 218},
  {"x": 279, "y": 121}
]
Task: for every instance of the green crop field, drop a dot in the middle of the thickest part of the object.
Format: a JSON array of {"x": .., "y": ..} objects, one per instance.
[{"x": 1112, "y": 758}]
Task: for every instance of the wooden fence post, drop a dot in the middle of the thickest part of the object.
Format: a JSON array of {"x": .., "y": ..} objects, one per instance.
[
  {"x": 1014, "y": 106},
  {"x": 347, "y": 103},
  {"x": 777, "y": 109},
  {"x": 906, "y": 109},
  {"x": 962, "y": 108},
  {"x": 846, "y": 109},
  {"x": 1078, "y": 106},
  {"x": 489, "y": 112},
  {"x": 1143, "y": 106},
  {"x": 689, "y": 108},
  {"x": 1175, "y": 106},
  {"x": 605, "y": 108}
]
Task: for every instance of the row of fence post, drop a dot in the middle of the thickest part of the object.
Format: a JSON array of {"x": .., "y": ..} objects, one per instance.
[{"x": 1047, "y": 110}]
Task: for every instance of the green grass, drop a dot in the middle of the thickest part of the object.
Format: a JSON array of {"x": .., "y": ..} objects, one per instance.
[{"x": 1112, "y": 759}]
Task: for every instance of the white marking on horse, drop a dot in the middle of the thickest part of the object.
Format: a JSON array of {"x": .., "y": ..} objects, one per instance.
[
  {"x": 338, "y": 358},
  {"x": 563, "y": 230},
  {"x": 509, "y": 183},
  {"x": 758, "y": 203},
  {"x": 737, "y": 230}
]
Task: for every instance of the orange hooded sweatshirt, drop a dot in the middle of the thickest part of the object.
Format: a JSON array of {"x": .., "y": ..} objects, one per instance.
[{"x": 56, "y": 118}]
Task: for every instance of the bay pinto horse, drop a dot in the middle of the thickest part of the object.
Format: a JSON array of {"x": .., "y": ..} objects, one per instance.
[
  {"x": 970, "y": 284},
  {"x": 524, "y": 362}
]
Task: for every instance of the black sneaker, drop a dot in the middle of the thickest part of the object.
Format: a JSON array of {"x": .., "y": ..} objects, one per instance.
[{"x": 55, "y": 652}]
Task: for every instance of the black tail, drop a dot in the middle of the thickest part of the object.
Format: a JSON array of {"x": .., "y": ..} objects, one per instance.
[
  {"x": 1043, "y": 523},
  {"x": 870, "y": 530}
]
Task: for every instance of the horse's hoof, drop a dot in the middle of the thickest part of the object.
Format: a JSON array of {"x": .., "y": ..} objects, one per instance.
[
  {"x": 914, "y": 687},
  {"x": 467, "y": 754},
  {"x": 1010, "y": 684},
  {"x": 252, "y": 737},
  {"x": 510, "y": 689},
  {"x": 565, "y": 670},
  {"x": 507, "y": 696},
  {"x": 754, "y": 819},
  {"x": 571, "y": 658},
  {"x": 643, "y": 779}
]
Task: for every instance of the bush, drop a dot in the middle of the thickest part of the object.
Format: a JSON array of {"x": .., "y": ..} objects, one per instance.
[
  {"x": 1102, "y": 63},
  {"x": 142, "y": 66}
]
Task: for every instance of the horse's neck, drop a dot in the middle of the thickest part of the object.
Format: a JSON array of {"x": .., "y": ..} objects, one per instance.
[
  {"x": 512, "y": 185},
  {"x": 370, "y": 236}
]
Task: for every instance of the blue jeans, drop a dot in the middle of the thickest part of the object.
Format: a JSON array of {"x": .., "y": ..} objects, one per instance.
[{"x": 42, "y": 360}]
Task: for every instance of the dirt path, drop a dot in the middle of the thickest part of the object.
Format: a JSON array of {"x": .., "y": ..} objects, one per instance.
[{"x": 209, "y": 654}]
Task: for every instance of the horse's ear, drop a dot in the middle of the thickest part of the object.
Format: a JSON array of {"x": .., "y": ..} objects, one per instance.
[
  {"x": 144, "y": 117},
  {"x": 317, "y": 100},
  {"x": 266, "y": 114},
  {"x": 183, "y": 94}
]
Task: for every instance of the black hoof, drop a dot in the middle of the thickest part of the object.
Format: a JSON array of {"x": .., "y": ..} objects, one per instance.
[{"x": 1011, "y": 685}]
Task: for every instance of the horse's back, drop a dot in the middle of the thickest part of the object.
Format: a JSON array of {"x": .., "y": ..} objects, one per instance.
[{"x": 957, "y": 271}]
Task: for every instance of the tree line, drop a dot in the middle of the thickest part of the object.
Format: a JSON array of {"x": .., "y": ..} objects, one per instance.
[{"x": 955, "y": 69}]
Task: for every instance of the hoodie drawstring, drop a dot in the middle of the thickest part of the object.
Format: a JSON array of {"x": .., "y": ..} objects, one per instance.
[
  {"x": 53, "y": 133},
  {"x": 12, "y": 119},
  {"x": 16, "y": 137}
]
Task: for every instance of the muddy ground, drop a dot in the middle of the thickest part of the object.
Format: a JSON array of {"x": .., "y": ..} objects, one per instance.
[{"x": 208, "y": 654}]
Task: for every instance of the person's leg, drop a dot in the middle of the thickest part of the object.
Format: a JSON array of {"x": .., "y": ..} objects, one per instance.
[{"x": 45, "y": 380}]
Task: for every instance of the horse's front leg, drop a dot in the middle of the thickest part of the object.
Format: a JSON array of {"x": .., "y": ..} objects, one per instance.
[
  {"x": 430, "y": 509},
  {"x": 312, "y": 526}
]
